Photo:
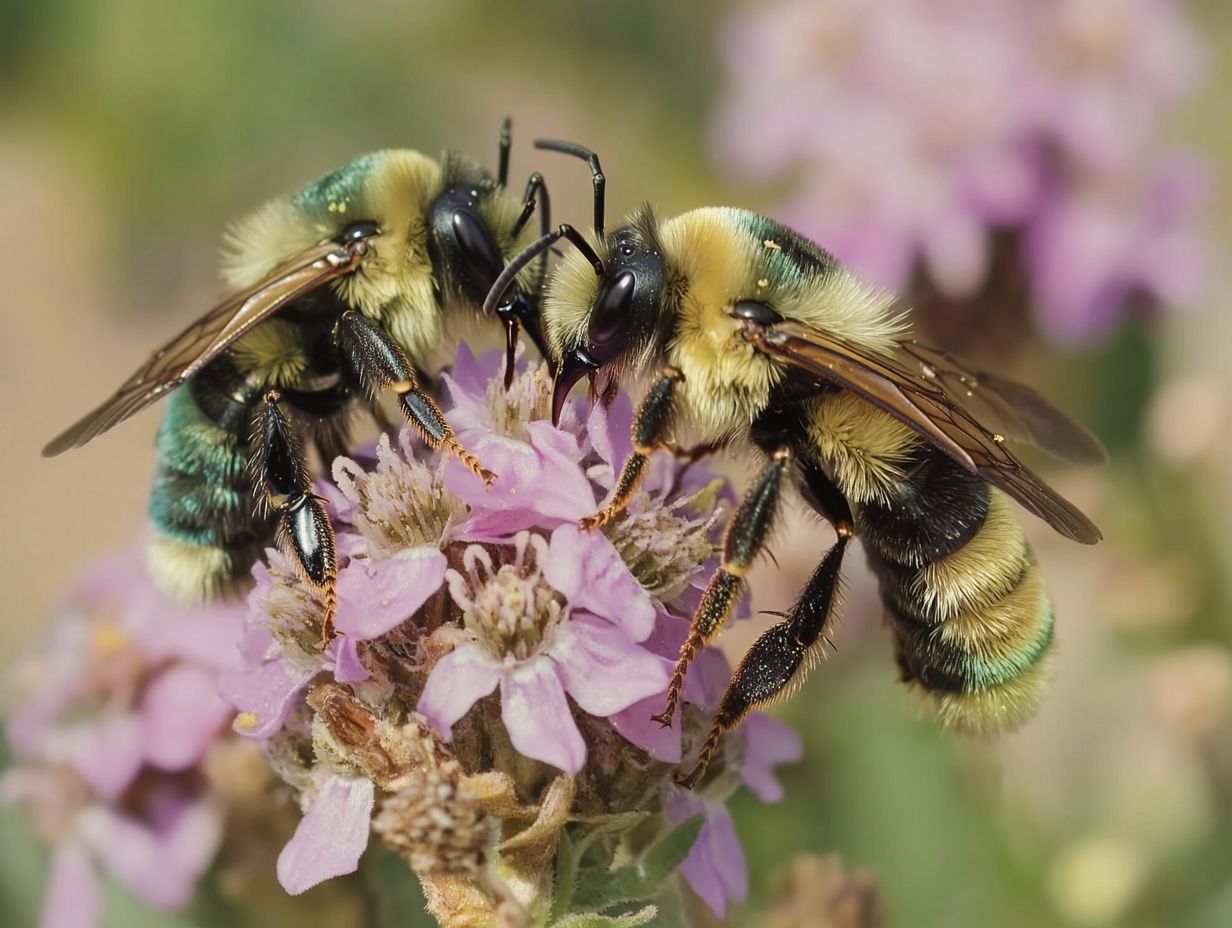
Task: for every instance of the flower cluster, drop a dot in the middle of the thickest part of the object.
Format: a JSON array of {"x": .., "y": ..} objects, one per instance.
[
  {"x": 930, "y": 136},
  {"x": 484, "y": 707},
  {"x": 120, "y": 711}
]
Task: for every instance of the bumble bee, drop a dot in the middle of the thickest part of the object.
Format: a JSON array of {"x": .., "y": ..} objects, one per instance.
[
  {"x": 755, "y": 335},
  {"x": 341, "y": 291}
]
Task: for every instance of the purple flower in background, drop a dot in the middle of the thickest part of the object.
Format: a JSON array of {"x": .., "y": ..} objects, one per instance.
[
  {"x": 117, "y": 714},
  {"x": 918, "y": 133}
]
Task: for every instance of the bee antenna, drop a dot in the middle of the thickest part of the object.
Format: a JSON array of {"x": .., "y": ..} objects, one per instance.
[
  {"x": 533, "y": 251},
  {"x": 581, "y": 151}
]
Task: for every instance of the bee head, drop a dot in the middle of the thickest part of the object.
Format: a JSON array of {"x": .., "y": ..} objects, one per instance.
[
  {"x": 602, "y": 304},
  {"x": 605, "y": 323}
]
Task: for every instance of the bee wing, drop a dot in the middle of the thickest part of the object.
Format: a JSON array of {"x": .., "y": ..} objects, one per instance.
[
  {"x": 1005, "y": 407},
  {"x": 205, "y": 339},
  {"x": 896, "y": 383}
]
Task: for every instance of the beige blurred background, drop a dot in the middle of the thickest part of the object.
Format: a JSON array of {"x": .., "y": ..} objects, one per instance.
[{"x": 131, "y": 133}]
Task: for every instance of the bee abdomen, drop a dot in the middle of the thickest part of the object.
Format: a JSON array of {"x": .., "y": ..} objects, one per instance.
[
  {"x": 206, "y": 533},
  {"x": 971, "y": 619}
]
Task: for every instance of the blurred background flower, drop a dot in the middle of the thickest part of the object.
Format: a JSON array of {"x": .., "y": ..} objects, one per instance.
[{"x": 1046, "y": 182}]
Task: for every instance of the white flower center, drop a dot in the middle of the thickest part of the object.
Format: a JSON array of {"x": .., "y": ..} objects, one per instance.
[
  {"x": 401, "y": 503},
  {"x": 528, "y": 399},
  {"x": 663, "y": 543},
  {"x": 510, "y": 609}
]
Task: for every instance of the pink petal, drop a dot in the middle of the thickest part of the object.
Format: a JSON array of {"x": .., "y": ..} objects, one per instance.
[
  {"x": 377, "y": 595},
  {"x": 459, "y": 680},
  {"x": 715, "y": 868},
  {"x": 205, "y": 636},
  {"x": 602, "y": 669},
  {"x": 341, "y": 508},
  {"x": 537, "y": 717},
  {"x": 181, "y": 713},
  {"x": 348, "y": 668},
  {"x": 955, "y": 249},
  {"x": 467, "y": 380},
  {"x": 106, "y": 752},
  {"x": 767, "y": 743},
  {"x": 331, "y": 836},
  {"x": 609, "y": 429},
  {"x": 145, "y": 862},
  {"x": 71, "y": 898},
  {"x": 588, "y": 570},
  {"x": 263, "y": 695},
  {"x": 636, "y": 726},
  {"x": 544, "y": 476}
]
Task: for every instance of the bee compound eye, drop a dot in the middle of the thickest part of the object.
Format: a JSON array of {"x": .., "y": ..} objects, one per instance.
[
  {"x": 477, "y": 246},
  {"x": 610, "y": 318},
  {"x": 358, "y": 231}
]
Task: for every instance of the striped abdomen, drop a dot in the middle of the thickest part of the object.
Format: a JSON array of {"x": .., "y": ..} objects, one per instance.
[
  {"x": 971, "y": 619},
  {"x": 972, "y": 622},
  {"x": 201, "y": 506}
]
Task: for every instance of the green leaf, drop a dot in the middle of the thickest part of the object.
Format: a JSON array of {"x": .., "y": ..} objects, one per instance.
[
  {"x": 566, "y": 875},
  {"x": 395, "y": 899},
  {"x": 599, "y": 890},
  {"x": 570, "y": 852},
  {"x": 594, "y": 920}
]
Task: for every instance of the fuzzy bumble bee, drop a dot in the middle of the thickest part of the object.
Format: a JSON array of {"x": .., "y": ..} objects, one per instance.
[
  {"x": 750, "y": 334},
  {"x": 342, "y": 291}
]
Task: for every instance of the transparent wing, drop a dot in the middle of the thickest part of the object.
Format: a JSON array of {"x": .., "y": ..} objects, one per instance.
[
  {"x": 205, "y": 339},
  {"x": 1006, "y": 408},
  {"x": 896, "y": 383}
]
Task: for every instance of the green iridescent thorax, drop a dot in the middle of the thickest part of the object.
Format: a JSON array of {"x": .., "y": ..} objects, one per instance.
[
  {"x": 784, "y": 255},
  {"x": 339, "y": 192}
]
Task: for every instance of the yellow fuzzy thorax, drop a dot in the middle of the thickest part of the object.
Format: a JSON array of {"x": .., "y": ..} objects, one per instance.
[
  {"x": 726, "y": 382},
  {"x": 866, "y": 447},
  {"x": 395, "y": 282},
  {"x": 713, "y": 258}
]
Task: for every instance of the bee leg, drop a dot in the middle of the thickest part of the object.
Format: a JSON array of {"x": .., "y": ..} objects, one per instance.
[
  {"x": 522, "y": 312},
  {"x": 379, "y": 362},
  {"x": 650, "y": 427},
  {"x": 781, "y": 657},
  {"x": 305, "y": 534},
  {"x": 506, "y": 143},
  {"x": 744, "y": 539},
  {"x": 778, "y": 659}
]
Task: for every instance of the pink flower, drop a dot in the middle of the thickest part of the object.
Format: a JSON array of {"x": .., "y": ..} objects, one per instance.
[
  {"x": 539, "y": 652},
  {"x": 916, "y": 134},
  {"x": 716, "y": 868},
  {"x": 124, "y": 692},
  {"x": 451, "y": 592}
]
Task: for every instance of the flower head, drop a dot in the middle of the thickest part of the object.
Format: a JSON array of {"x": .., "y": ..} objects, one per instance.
[{"x": 495, "y": 666}]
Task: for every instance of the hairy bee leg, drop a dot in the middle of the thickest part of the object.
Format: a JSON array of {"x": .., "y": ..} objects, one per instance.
[
  {"x": 304, "y": 532},
  {"x": 778, "y": 659},
  {"x": 744, "y": 539},
  {"x": 650, "y": 428},
  {"x": 783, "y": 654},
  {"x": 379, "y": 362}
]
